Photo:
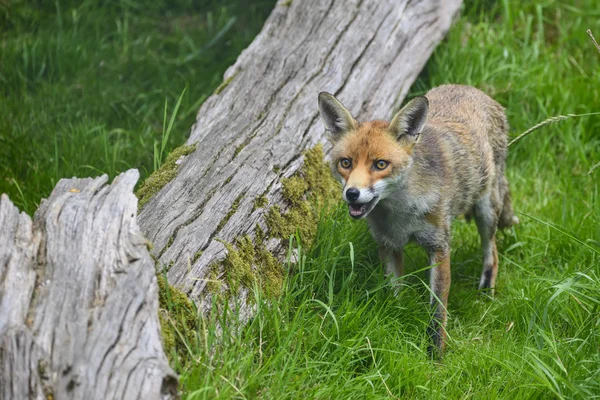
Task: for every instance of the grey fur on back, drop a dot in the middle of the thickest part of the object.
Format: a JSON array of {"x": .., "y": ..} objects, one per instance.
[{"x": 468, "y": 110}]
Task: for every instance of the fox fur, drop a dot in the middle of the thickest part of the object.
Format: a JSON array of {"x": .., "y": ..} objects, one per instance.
[{"x": 440, "y": 156}]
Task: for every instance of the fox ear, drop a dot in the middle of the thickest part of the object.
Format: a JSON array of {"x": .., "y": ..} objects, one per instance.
[
  {"x": 336, "y": 117},
  {"x": 409, "y": 121}
]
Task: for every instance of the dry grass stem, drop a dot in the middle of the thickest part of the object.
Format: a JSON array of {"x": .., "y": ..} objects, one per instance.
[
  {"x": 549, "y": 121},
  {"x": 589, "y": 32}
]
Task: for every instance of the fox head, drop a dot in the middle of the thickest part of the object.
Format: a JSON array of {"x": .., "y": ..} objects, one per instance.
[{"x": 370, "y": 158}]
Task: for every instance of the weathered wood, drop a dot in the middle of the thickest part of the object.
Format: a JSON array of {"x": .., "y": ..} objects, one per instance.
[
  {"x": 78, "y": 298},
  {"x": 251, "y": 133}
]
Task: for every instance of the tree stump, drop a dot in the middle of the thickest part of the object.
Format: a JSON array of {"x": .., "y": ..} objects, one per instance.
[
  {"x": 78, "y": 298},
  {"x": 250, "y": 136}
]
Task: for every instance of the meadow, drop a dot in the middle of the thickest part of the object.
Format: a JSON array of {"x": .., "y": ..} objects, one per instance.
[
  {"x": 86, "y": 86},
  {"x": 84, "y": 92}
]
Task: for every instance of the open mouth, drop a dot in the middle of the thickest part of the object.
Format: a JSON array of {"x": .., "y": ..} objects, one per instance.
[{"x": 360, "y": 210}]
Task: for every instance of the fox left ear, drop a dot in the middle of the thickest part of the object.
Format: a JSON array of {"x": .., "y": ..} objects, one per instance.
[
  {"x": 336, "y": 117},
  {"x": 409, "y": 121}
]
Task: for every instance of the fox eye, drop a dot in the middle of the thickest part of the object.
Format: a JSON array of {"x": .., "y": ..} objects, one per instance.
[
  {"x": 381, "y": 164},
  {"x": 345, "y": 163}
]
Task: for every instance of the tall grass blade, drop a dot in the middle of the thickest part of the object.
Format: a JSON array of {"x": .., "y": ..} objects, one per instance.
[{"x": 549, "y": 121}]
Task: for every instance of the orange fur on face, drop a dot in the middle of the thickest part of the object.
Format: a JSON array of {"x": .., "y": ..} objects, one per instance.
[{"x": 368, "y": 144}]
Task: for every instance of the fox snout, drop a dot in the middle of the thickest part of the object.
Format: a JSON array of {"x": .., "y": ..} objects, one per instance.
[
  {"x": 352, "y": 194},
  {"x": 360, "y": 201}
]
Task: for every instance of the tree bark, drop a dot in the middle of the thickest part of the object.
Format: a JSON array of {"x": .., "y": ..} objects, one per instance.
[
  {"x": 78, "y": 298},
  {"x": 252, "y": 132}
]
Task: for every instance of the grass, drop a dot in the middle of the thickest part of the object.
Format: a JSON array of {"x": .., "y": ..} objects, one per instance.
[
  {"x": 85, "y": 86},
  {"x": 337, "y": 331}
]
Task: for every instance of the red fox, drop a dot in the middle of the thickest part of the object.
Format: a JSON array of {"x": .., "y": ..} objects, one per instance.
[{"x": 441, "y": 156}]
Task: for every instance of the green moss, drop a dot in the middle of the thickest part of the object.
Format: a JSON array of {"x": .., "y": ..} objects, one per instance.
[
  {"x": 260, "y": 202},
  {"x": 238, "y": 264},
  {"x": 211, "y": 194},
  {"x": 321, "y": 184},
  {"x": 301, "y": 218},
  {"x": 286, "y": 3},
  {"x": 177, "y": 316},
  {"x": 232, "y": 211},
  {"x": 163, "y": 175},
  {"x": 260, "y": 234},
  {"x": 307, "y": 192},
  {"x": 294, "y": 189},
  {"x": 213, "y": 283},
  {"x": 168, "y": 334},
  {"x": 239, "y": 149},
  {"x": 249, "y": 260},
  {"x": 197, "y": 255},
  {"x": 169, "y": 266},
  {"x": 224, "y": 84},
  {"x": 270, "y": 271}
]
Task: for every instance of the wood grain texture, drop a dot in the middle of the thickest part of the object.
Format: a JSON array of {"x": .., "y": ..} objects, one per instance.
[
  {"x": 78, "y": 298},
  {"x": 251, "y": 133}
]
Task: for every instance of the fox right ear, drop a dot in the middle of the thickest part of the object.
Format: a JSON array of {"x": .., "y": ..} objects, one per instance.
[{"x": 336, "y": 117}]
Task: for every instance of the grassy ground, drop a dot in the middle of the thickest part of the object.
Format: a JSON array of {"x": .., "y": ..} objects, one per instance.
[
  {"x": 83, "y": 84},
  {"x": 338, "y": 332}
]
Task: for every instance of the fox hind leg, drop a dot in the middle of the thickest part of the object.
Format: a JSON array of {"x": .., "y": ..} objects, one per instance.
[
  {"x": 485, "y": 213},
  {"x": 507, "y": 217}
]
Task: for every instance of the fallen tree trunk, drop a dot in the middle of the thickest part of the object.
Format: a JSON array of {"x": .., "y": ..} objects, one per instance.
[
  {"x": 250, "y": 136},
  {"x": 78, "y": 298}
]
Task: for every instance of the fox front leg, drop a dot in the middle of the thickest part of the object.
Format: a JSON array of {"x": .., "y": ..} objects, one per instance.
[
  {"x": 440, "y": 287},
  {"x": 393, "y": 260},
  {"x": 394, "y": 265}
]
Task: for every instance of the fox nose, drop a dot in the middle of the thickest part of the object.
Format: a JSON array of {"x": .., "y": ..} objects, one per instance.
[{"x": 352, "y": 193}]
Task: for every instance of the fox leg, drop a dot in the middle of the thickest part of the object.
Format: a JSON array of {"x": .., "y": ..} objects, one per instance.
[
  {"x": 393, "y": 261},
  {"x": 440, "y": 287},
  {"x": 486, "y": 219},
  {"x": 394, "y": 264},
  {"x": 507, "y": 217}
]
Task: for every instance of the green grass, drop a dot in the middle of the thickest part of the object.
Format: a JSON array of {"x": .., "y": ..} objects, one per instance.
[
  {"x": 84, "y": 84},
  {"x": 338, "y": 331}
]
